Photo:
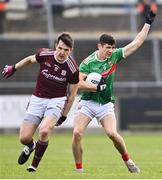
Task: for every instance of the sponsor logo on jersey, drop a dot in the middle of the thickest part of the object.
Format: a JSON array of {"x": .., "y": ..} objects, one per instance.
[{"x": 46, "y": 74}]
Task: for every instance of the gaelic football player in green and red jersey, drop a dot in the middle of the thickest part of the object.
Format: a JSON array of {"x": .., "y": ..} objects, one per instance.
[{"x": 98, "y": 100}]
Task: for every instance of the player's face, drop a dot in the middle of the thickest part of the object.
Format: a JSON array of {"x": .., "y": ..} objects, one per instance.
[
  {"x": 106, "y": 50},
  {"x": 62, "y": 51}
]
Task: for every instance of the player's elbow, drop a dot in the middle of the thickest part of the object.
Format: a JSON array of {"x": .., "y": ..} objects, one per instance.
[{"x": 32, "y": 59}]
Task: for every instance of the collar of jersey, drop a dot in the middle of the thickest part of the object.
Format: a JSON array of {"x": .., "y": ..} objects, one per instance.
[
  {"x": 99, "y": 59},
  {"x": 58, "y": 60}
]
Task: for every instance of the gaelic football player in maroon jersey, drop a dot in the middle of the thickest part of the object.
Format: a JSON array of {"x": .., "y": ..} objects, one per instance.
[{"x": 52, "y": 98}]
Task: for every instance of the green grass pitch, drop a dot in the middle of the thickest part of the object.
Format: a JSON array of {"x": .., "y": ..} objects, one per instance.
[{"x": 101, "y": 160}]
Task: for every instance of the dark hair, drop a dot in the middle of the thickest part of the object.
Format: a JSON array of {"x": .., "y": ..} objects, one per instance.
[
  {"x": 107, "y": 39},
  {"x": 66, "y": 38}
]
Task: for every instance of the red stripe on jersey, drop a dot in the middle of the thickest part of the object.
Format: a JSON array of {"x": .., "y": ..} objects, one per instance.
[{"x": 109, "y": 71}]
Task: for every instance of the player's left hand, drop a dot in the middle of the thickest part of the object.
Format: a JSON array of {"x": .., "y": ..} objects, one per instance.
[
  {"x": 150, "y": 16},
  {"x": 60, "y": 121},
  {"x": 102, "y": 84},
  {"x": 8, "y": 70}
]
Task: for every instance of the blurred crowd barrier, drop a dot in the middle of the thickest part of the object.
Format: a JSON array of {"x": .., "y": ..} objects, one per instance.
[{"x": 44, "y": 16}]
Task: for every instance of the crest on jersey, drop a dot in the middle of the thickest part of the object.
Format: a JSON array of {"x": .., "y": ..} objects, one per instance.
[{"x": 63, "y": 72}]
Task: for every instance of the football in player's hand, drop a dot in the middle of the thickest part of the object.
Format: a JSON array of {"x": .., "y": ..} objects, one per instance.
[{"x": 94, "y": 78}]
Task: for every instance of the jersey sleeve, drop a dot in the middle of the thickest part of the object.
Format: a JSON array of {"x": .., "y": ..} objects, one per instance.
[
  {"x": 84, "y": 68},
  {"x": 119, "y": 54},
  {"x": 74, "y": 78},
  {"x": 37, "y": 55}
]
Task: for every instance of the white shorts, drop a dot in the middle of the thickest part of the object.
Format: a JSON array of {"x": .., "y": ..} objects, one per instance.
[
  {"x": 93, "y": 109},
  {"x": 39, "y": 108}
]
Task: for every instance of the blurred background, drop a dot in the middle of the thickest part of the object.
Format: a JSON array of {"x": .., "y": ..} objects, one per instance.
[{"x": 26, "y": 25}]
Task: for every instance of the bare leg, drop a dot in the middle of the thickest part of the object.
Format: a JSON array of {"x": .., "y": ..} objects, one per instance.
[
  {"x": 27, "y": 131},
  {"x": 109, "y": 125},
  {"x": 45, "y": 129},
  {"x": 80, "y": 123}
]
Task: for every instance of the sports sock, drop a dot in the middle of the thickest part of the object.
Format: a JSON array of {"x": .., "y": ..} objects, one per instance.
[
  {"x": 78, "y": 165},
  {"x": 125, "y": 157},
  {"x": 39, "y": 151},
  {"x": 31, "y": 144}
]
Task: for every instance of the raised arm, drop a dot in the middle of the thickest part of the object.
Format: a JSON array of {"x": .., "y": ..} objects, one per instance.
[
  {"x": 141, "y": 36},
  {"x": 9, "y": 70}
]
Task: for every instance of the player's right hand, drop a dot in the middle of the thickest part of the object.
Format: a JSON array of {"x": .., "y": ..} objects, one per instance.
[
  {"x": 150, "y": 16},
  {"x": 60, "y": 121},
  {"x": 8, "y": 70},
  {"x": 102, "y": 85}
]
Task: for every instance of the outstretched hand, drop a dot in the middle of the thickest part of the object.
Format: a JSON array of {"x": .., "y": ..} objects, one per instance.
[
  {"x": 150, "y": 16},
  {"x": 8, "y": 71}
]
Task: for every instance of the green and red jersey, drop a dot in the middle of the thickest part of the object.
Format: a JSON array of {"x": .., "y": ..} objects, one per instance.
[{"x": 107, "y": 69}]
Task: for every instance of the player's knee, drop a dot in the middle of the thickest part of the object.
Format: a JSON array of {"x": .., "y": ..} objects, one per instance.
[
  {"x": 25, "y": 139},
  {"x": 43, "y": 133},
  {"x": 77, "y": 135}
]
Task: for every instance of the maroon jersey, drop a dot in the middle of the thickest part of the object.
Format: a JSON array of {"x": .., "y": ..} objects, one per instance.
[{"x": 54, "y": 76}]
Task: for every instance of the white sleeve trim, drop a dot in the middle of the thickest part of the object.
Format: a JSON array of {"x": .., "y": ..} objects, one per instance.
[{"x": 123, "y": 53}]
